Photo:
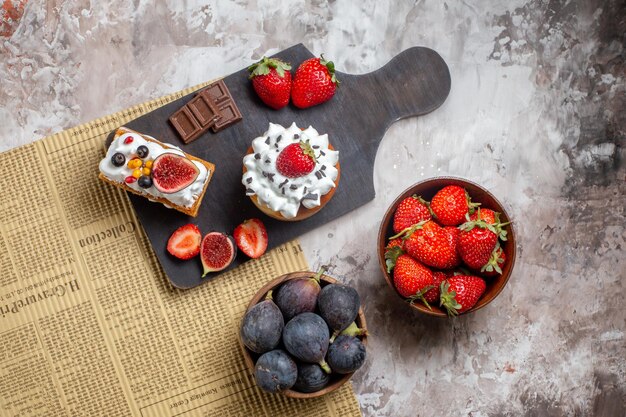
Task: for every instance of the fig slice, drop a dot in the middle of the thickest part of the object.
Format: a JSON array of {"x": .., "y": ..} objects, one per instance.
[
  {"x": 172, "y": 173},
  {"x": 217, "y": 252}
]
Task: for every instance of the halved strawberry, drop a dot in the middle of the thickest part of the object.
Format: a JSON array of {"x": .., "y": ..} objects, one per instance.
[
  {"x": 185, "y": 242},
  {"x": 251, "y": 237}
]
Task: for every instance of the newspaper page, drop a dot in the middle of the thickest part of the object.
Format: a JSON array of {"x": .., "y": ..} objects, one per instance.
[{"x": 89, "y": 324}]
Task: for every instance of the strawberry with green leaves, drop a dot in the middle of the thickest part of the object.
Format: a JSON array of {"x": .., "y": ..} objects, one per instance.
[
  {"x": 430, "y": 244},
  {"x": 451, "y": 204},
  {"x": 296, "y": 160},
  {"x": 479, "y": 236},
  {"x": 460, "y": 293},
  {"x": 410, "y": 211},
  {"x": 314, "y": 83},
  {"x": 271, "y": 80},
  {"x": 412, "y": 279}
]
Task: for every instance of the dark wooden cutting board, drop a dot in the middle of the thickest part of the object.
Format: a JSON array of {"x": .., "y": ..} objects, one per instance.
[{"x": 415, "y": 82}]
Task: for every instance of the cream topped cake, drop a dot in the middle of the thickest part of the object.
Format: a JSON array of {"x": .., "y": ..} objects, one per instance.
[
  {"x": 289, "y": 168},
  {"x": 159, "y": 171}
]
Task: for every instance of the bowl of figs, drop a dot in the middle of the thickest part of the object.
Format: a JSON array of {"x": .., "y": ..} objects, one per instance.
[{"x": 303, "y": 335}]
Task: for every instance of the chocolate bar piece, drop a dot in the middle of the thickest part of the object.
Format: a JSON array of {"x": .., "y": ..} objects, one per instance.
[
  {"x": 205, "y": 110},
  {"x": 230, "y": 115},
  {"x": 217, "y": 91},
  {"x": 213, "y": 107},
  {"x": 186, "y": 124},
  {"x": 220, "y": 94}
]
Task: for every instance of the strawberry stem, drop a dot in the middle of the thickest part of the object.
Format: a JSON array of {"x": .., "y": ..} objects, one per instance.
[
  {"x": 405, "y": 233},
  {"x": 308, "y": 150},
  {"x": 448, "y": 300},
  {"x": 470, "y": 204},
  {"x": 494, "y": 260},
  {"x": 420, "y": 296},
  {"x": 391, "y": 256},
  {"x": 330, "y": 65},
  {"x": 265, "y": 65}
]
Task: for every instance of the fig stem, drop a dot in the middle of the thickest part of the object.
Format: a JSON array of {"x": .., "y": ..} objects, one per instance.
[
  {"x": 319, "y": 274},
  {"x": 269, "y": 295},
  {"x": 325, "y": 366},
  {"x": 354, "y": 330},
  {"x": 335, "y": 334}
]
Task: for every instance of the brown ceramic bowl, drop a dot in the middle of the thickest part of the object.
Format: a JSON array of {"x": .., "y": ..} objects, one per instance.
[
  {"x": 427, "y": 189},
  {"x": 250, "y": 357}
]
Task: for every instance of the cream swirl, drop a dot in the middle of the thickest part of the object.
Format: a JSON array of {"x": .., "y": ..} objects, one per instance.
[
  {"x": 184, "y": 198},
  {"x": 280, "y": 193}
]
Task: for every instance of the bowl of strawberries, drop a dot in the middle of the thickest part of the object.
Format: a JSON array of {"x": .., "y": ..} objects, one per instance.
[{"x": 446, "y": 246}]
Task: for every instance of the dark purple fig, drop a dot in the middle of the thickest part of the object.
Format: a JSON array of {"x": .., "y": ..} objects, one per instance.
[
  {"x": 306, "y": 337},
  {"x": 354, "y": 330},
  {"x": 339, "y": 306},
  {"x": 311, "y": 378},
  {"x": 262, "y": 326},
  {"x": 346, "y": 354},
  {"x": 298, "y": 295},
  {"x": 275, "y": 371}
]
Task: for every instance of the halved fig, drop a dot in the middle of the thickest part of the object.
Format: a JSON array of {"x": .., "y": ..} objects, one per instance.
[
  {"x": 217, "y": 252},
  {"x": 172, "y": 173}
]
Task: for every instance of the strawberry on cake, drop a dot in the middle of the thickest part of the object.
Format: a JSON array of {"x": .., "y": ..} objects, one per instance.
[
  {"x": 291, "y": 173},
  {"x": 159, "y": 171}
]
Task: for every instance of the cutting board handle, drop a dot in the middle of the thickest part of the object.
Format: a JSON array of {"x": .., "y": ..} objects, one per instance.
[{"x": 413, "y": 83}]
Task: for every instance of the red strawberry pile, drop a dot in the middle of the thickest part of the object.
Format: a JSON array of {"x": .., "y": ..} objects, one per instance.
[
  {"x": 443, "y": 251},
  {"x": 314, "y": 83}
]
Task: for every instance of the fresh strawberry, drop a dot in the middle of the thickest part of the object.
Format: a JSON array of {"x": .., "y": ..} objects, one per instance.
[
  {"x": 488, "y": 215},
  {"x": 430, "y": 244},
  {"x": 296, "y": 160},
  {"x": 251, "y": 237},
  {"x": 478, "y": 238},
  {"x": 397, "y": 242},
  {"x": 271, "y": 80},
  {"x": 460, "y": 293},
  {"x": 432, "y": 295},
  {"x": 412, "y": 279},
  {"x": 185, "y": 242},
  {"x": 496, "y": 262},
  {"x": 393, "y": 250},
  {"x": 451, "y": 204},
  {"x": 314, "y": 83},
  {"x": 410, "y": 211}
]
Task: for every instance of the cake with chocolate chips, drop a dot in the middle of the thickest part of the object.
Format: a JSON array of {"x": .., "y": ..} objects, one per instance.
[{"x": 291, "y": 173}]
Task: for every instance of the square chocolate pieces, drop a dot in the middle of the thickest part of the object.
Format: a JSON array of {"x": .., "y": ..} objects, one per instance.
[{"x": 212, "y": 107}]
